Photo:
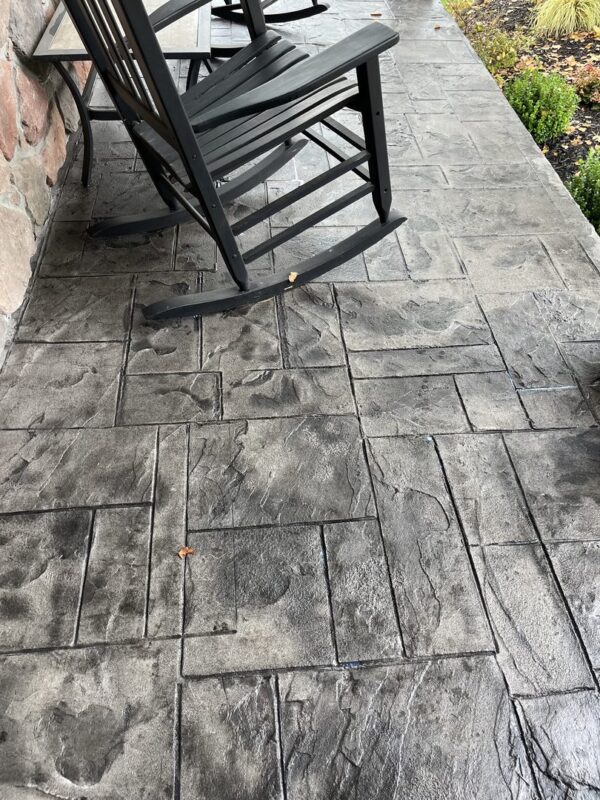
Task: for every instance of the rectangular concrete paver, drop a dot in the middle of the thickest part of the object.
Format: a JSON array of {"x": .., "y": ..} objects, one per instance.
[
  {"x": 211, "y": 590},
  {"x": 259, "y": 472},
  {"x": 386, "y": 317},
  {"x": 438, "y": 604},
  {"x": 485, "y": 489},
  {"x": 444, "y": 729},
  {"x": 287, "y": 393},
  {"x": 168, "y": 398},
  {"x": 64, "y": 468},
  {"x": 425, "y": 361},
  {"x": 396, "y": 406},
  {"x": 114, "y": 591},
  {"x": 363, "y": 610},
  {"x": 60, "y": 385},
  {"x": 312, "y": 329},
  {"x": 168, "y": 532},
  {"x": 563, "y": 407},
  {"x": 229, "y": 730},
  {"x": 160, "y": 348},
  {"x": 538, "y": 648},
  {"x": 77, "y": 309},
  {"x": 43, "y": 561},
  {"x": 562, "y": 734}
]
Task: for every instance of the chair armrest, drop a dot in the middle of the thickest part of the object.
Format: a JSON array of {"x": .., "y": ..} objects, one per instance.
[
  {"x": 305, "y": 76},
  {"x": 173, "y": 10}
]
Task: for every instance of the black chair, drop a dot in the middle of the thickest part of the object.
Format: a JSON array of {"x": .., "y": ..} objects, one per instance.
[
  {"x": 264, "y": 100},
  {"x": 235, "y": 11}
]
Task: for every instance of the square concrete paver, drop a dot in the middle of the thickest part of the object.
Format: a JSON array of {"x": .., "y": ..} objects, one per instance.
[
  {"x": 558, "y": 470},
  {"x": 342, "y": 544},
  {"x": 273, "y": 582},
  {"x": 79, "y": 722}
]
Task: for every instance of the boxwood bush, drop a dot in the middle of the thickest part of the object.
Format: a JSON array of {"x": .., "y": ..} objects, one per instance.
[
  {"x": 545, "y": 103},
  {"x": 585, "y": 187}
]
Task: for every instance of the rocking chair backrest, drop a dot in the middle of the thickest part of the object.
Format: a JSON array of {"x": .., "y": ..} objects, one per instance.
[{"x": 119, "y": 37}]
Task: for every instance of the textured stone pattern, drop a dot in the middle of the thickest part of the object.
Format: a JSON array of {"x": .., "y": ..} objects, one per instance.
[
  {"x": 36, "y": 115},
  {"x": 388, "y": 481}
]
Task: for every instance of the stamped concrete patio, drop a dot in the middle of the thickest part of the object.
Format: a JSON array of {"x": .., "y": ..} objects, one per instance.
[{"x": 390, "y": 482}]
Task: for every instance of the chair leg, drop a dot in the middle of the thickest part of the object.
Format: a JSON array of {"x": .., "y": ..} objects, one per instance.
[
  {"x": 154, "y": 171},
  {"x": 84, "y": 116},
  {"x": 371, "y": 101},
  {"x": 193, "y": 73}
]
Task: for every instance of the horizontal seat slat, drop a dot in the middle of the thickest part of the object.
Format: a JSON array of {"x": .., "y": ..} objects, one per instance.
[
  {"x": 260, "y": 125},
  {"x": 304, "y": 77},
  {"x": 248, "y": 76},
  {"x": 242, "y": 155},
  {"x": 253, "y": 49},
  {"x": 221, "y": 131}
]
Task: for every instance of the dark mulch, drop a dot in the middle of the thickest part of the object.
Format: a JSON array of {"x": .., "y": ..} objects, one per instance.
[{"x": 565, "y": 55}]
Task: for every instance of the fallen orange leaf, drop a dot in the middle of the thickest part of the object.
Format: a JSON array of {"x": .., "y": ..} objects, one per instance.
[{"x": 186, "y": 551}]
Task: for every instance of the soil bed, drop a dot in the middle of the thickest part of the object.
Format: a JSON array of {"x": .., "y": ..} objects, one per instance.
[{"x": 565, "y": 54}]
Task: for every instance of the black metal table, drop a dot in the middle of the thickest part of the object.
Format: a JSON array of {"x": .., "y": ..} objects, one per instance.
[{"x": 188, "y": 38}]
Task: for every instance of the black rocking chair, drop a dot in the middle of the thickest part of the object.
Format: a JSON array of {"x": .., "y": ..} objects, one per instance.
[
  {"x": 234, "y": 12},
  {"x": 259, "y": 102}
]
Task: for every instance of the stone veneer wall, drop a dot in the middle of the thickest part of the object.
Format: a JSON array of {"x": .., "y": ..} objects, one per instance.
[{"x": 36, "y": 115}]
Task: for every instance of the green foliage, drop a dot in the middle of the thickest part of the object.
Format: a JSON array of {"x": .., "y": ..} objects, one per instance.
[
  {"x": 545, "y": 103},
  {"x": 587, "y": 84},
  {"x": 498, "y": 50},
  {"x": 585, "y": 187},
  {"x": 459, "y": 9},
  {"x": 557, "y": 17}
]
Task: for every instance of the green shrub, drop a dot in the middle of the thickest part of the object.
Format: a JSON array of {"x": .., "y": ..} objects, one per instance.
[
  {"x": 545, "y": 103},
  {"x": 498, "y": 50},
  {"x": 556, "y": 17},
  {"x": 459, "y": 10},
  {"x": 585, "y": 187},
  {"x": 587, "y": 84}
]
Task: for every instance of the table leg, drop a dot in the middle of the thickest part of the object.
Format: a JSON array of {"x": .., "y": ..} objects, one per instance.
[
  {"x": 86, "y": 122},
  {"x": 193, "y": 72}
]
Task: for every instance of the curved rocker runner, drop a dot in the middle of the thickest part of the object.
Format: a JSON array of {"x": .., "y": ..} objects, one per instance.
[
  {"x": 261, "y": 104},
  {"x": 234, "y": 12}
]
